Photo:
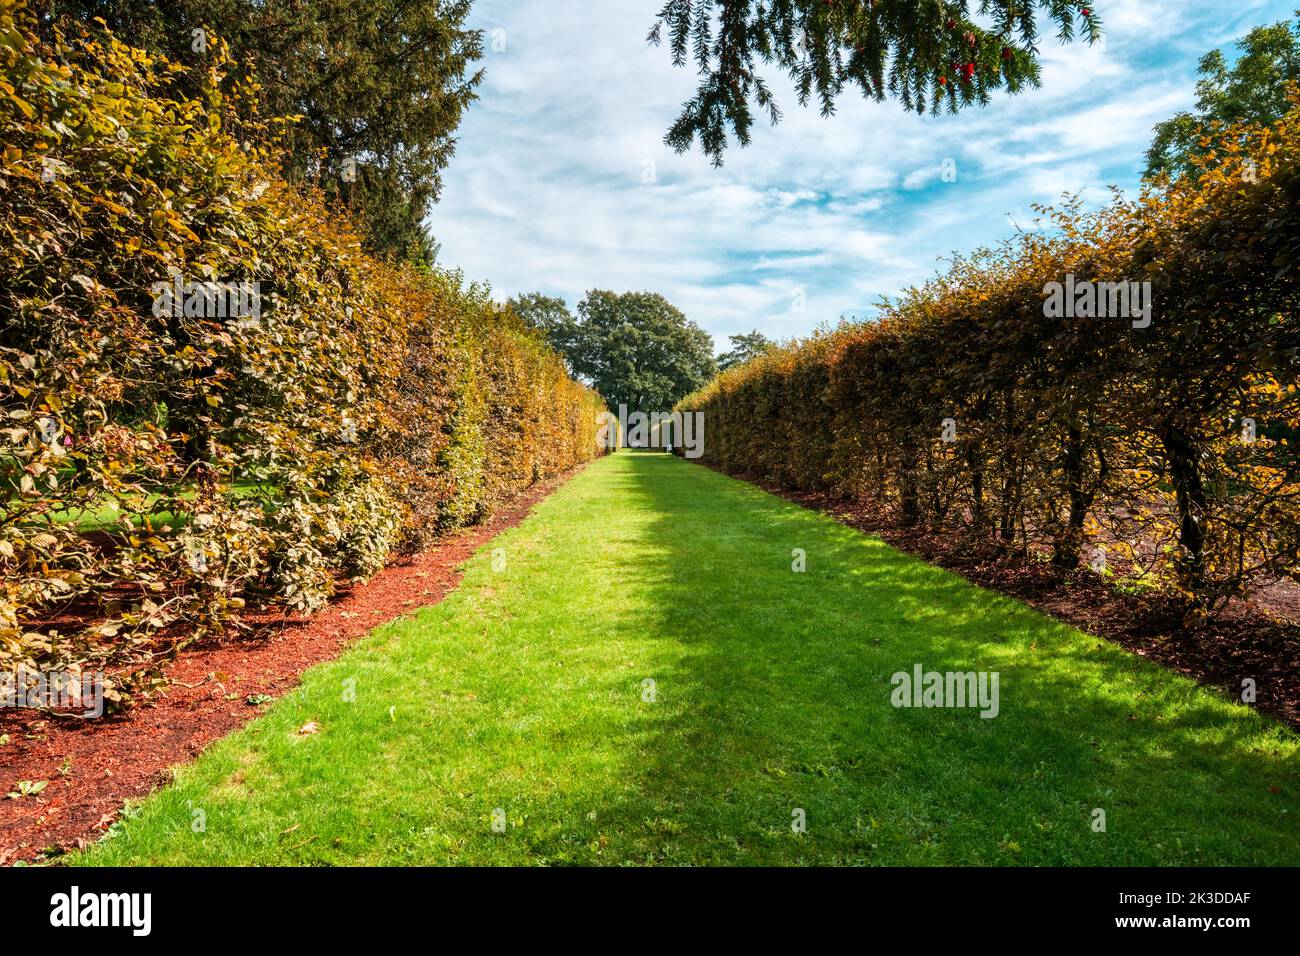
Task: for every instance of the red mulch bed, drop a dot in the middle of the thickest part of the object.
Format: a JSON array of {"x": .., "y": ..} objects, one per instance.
[
  {"x": 124, "y": 756},
  {"x": 1258, "y": 637}
]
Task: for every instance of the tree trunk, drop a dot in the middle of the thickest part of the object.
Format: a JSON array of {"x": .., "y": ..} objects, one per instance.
[
  {"x": 1189, "y": 494},
  {"x": 1068, "y": 545},
  {"x": 976, "y": 466},
  {"x": 908, "y": 488},
  {"x": 1010, "y": 481}
]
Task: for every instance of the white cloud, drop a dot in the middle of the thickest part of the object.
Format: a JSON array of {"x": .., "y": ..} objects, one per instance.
[{"x": 547, "y": 189}]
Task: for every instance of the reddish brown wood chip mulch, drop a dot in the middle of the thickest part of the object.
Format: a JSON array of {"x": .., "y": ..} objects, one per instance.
[{"x": 93, "y": 766}]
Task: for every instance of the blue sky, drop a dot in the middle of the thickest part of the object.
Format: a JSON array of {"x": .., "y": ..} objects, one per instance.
[{"x": 561, "y": 181}]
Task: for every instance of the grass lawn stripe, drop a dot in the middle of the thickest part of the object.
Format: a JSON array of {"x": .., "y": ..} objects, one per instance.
[{"x": 524, "y": 692}]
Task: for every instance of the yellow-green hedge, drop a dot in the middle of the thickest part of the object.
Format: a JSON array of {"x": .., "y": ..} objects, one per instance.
[
  {"x": 158, "y": 470},
  {"x": 1166, "y": 453}
]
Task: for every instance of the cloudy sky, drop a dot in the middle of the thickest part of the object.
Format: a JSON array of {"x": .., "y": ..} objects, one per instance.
[{"x": 561, "y": 181}]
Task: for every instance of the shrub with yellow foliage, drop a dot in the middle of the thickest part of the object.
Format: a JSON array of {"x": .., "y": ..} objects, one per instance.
[
  {"x": 1170, "y": 446},
  {"x": 162, "y": 461}
]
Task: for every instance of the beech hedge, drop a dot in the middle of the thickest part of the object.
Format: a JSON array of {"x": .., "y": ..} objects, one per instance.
[
  {"x": 1158, "y": 448},
  {"x": 165, "y": 458}
]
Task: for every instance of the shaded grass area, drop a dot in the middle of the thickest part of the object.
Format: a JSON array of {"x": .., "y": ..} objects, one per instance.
[{"x": 524, "y": 692}]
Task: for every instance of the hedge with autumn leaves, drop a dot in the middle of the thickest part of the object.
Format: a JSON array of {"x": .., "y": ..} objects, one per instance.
[
  {"x": 157, "y": 472},
  {"x": 1074, "y": 438}
]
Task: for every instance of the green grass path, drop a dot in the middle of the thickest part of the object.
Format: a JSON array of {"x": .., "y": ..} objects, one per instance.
[{"x": 525, "y": 690}]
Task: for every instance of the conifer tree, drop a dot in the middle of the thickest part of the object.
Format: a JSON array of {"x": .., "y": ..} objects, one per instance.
[
  {"x": 927, "y": 54},
  {"x": 378, "y": 88}
]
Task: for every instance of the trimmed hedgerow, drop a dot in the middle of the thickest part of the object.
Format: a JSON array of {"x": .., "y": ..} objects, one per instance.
[
  {"x": 1166, "y": 451},
  {"x": 359, "y": 409}
]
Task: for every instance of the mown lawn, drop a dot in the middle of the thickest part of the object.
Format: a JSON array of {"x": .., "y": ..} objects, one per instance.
[{"x": 524, "y": 691}]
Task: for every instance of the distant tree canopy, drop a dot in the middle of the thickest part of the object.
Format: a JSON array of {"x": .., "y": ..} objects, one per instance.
[
  {"x": 923, "y": 53},
  {"x": 380, "y": 87},
  {"x": 745, "y": 346},
  {"x": 548, "y": 315},
  {"x": 635, "y": 348},
  {"x": 1252, "y": 90}
]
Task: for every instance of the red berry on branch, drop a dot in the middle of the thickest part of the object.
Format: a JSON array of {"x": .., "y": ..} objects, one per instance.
[
  {"x": 1006, "y": 53},
  {"x": 950, "y": 24},
  {"x": 943, "y": 80}
]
